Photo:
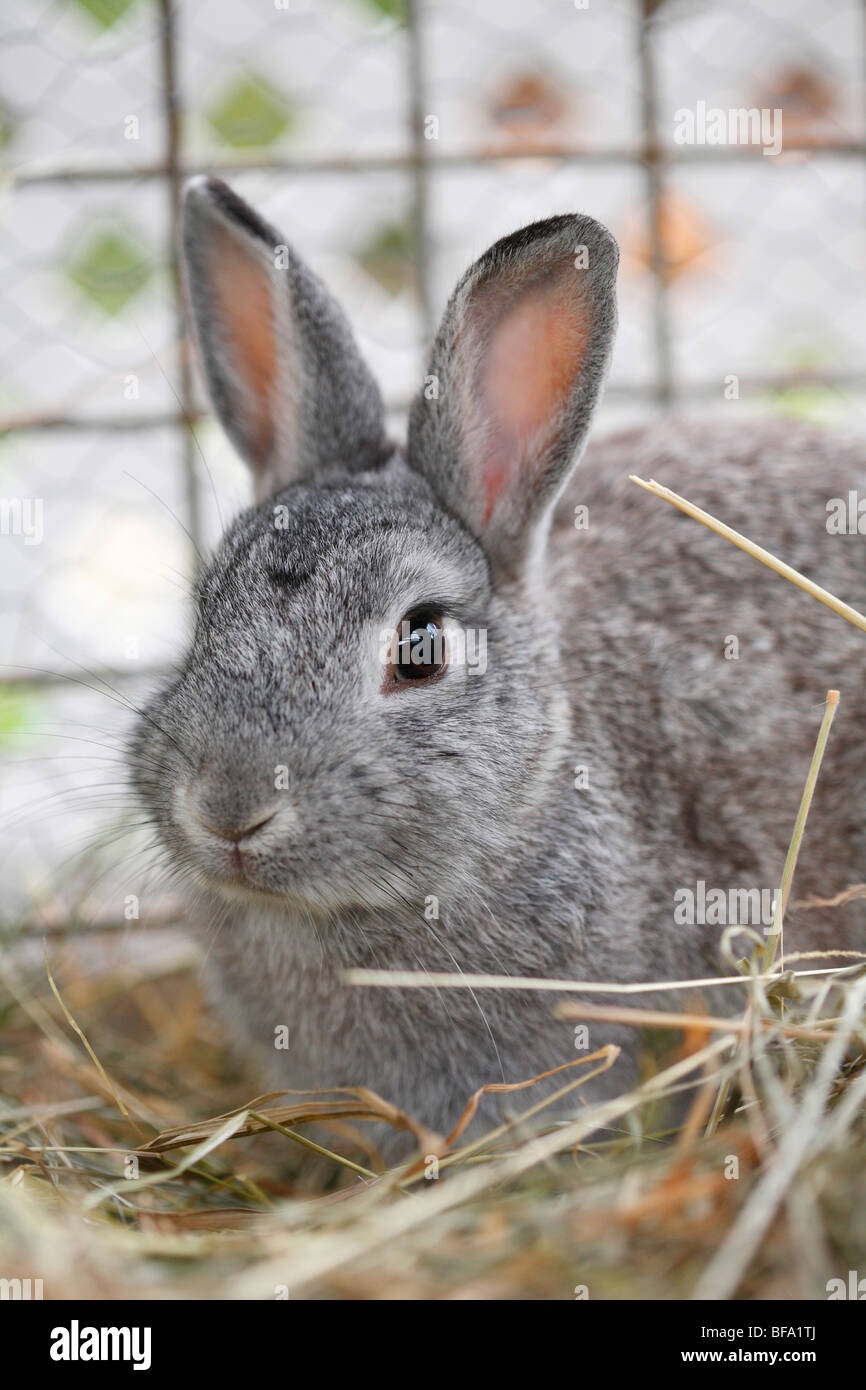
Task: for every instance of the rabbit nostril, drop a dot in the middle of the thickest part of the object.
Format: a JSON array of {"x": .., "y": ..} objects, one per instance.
[{"x": 235, "y": 830}]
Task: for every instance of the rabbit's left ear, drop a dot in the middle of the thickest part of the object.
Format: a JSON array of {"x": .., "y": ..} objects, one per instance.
[
  {"x": 516, "y": 372},
  {"x": 283, "y": 370}
]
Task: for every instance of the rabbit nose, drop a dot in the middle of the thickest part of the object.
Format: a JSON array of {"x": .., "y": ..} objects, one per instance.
[
  {"x": 217, "y": 808},
  {"x": 235, "y": 828}
]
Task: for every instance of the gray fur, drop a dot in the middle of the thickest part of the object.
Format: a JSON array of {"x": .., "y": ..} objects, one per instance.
[{"x": 610, "y": 658}]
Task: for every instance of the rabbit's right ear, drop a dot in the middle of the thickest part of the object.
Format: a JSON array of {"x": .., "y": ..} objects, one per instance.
[
  {"x": 283, "y": 370},
  {"x": 517, "y": 370}
]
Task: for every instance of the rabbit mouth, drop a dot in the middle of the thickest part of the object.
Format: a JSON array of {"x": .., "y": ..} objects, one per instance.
[
  {"x": 247, "y": 873},
  {"x": 233, "y": 871},
  {"x": 254, "y": 881},
  {"x": 260, "y": 850}
]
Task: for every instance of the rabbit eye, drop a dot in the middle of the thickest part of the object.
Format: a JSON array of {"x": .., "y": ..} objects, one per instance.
[{"x": 420, "y": 648}]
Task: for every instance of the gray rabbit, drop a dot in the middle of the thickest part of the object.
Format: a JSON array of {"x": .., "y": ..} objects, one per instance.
[{"x": 632, "y": 746}]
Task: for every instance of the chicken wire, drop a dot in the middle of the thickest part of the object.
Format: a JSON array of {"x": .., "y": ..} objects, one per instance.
[{"x": 392, "y": 142}]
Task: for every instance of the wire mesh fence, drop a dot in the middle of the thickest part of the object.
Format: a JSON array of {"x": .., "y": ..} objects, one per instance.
[{"x": 392, "y": 140}]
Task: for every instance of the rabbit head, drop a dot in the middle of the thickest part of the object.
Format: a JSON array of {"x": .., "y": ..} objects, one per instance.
[{"x": 370, "y": 709}]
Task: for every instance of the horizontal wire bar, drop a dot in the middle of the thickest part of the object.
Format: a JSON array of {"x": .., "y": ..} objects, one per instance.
[
  {"x": 33, "y": 931},
  {"x": 627, "y": 390},
  {"x": 458, "y": 159},
  {"x": 159, "y": 420},
  {"x": 108, "y": 675}
]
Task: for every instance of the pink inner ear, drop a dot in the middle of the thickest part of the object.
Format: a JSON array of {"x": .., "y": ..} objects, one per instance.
[
  {"x": 533, "y": 358},
  {"x": 245, "y": 315}
]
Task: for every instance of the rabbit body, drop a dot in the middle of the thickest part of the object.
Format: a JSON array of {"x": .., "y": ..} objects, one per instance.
[{"x": 638, "y": 738}]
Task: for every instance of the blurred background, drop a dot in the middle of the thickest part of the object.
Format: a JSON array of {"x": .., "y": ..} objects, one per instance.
[{"x": 391, "y": 141}]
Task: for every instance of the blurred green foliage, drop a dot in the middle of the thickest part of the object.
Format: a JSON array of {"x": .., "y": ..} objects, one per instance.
[
  {"x": 393, "y": 9},
  {"x": 807, "y": 400},
  {"x": 17, "y": 708},
  {"x": 110, "y": 268},
  {"x": 7, "y": 124},
  {"x": 250, "y": 113},
  {"x": 389, "y": 256},
  {"x": 105, "y": 12}
]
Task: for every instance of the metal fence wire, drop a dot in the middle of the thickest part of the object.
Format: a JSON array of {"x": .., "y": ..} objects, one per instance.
[{"x": 391, "y": 140}]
